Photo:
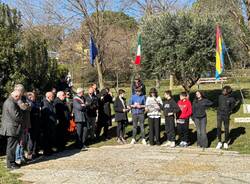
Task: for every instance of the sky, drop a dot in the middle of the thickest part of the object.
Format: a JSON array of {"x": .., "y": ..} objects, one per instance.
[{"x": 41, "y": 17}]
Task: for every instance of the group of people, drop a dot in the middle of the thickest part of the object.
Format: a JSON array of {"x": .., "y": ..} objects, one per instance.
[
  {"x": 176, "y": 114},
  {"x": 32, "y": 125}
]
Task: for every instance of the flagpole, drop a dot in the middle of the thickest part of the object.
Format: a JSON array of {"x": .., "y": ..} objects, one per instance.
[{"x": 237, "y": 81}]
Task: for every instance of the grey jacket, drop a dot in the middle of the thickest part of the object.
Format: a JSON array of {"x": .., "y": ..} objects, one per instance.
[
  {"x": 11, "y": 118},
  {"x": 79, "y": 111}
]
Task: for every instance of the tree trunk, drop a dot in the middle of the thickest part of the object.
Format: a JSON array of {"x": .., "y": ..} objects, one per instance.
[
  {"x": 186, "y": 88},
  {"x": 171, "y": 82},
  {"x": 117, "y": 81},
  {"x": 99, "y": 72},
  {"x": 157, "y": 81}
]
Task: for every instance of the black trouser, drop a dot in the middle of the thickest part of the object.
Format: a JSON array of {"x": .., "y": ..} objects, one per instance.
[
  {"x": 82, "y": 132},
  {"x": 154, "y": 130},
  {"x": 92, "y": 126},
  {"x": 11, "y": 150},
  {"x": 201, "y": 124},
  {"x": 138, "y": 118},
  {"x": 225, "y": 120},
  {"x": 61, "y": 135},
  {"x": 182, "y": 129},
  {"x": 170, "y": 128},
  {"x": 33, "y": 140},
  {"x": 49, "y": 137},
  {"x": 105, "y": 126},
  {"x": 121, "y": 129}
]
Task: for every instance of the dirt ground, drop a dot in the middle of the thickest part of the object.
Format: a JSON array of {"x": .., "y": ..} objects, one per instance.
[{"x": 134, "y": 164}]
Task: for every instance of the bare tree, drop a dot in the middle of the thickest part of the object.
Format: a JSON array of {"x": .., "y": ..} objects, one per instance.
[
  {"x": 149, "y": 7},
  {"x": 92, "y": 13}
]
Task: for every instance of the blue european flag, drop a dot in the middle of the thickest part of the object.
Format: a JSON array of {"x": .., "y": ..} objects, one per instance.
[{"x": 92, "y": 51}]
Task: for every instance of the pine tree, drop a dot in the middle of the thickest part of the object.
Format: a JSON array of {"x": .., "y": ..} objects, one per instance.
[{"x": 10, "y": 30}]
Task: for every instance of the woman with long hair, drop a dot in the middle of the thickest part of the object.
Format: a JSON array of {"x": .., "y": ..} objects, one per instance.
[
  {"x": 153, "y": 108},
  {"x": 200, "y": 104}
]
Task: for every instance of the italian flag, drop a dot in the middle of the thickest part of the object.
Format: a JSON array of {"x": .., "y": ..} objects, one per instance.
[{"x": 138, "y": 54}]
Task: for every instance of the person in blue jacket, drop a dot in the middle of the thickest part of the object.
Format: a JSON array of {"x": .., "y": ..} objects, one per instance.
[{"x": 137, "y": 105}]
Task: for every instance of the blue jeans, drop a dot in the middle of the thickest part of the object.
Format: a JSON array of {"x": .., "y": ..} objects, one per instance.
[
  {"x": 19, "y": 152},
  {"x": 138, "y": 118},
  {"x": 20, "y": 147}
]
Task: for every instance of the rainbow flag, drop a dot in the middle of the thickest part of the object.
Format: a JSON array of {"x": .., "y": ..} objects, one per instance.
[{"x": 220, "y": 49}]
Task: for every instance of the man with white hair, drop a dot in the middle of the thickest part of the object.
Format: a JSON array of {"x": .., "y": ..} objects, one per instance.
[
  {"x": 79, "y": 111},
  {"x": 63, "y": 117},
  {"x": 26, "y": 124},
  {"x": 11, "y": 126},
  {"x": 49, "y": 123}
]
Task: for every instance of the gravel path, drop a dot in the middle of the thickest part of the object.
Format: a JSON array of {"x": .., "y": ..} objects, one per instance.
[{"x": 134, "y": 164}]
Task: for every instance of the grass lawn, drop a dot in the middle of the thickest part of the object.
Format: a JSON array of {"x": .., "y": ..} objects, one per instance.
[{"x": 5, "y": 176}]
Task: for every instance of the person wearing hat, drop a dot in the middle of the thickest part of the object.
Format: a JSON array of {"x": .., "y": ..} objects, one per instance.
[
  {"x": 79, "y": 111},
  {"x": 138, "y": 84},
  {"x": 153, "y": 109}
]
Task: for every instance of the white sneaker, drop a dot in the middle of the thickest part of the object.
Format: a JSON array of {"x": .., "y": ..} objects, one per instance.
[
  {"x": 185, "y": 144},
  {"x": 225, "y": 146},
  {"x": 18, "y": 161},
  {"x": 172, "y": 144},
  {"x": 167, "y": 144},
  {"x": 219, "y": 145},
  {"x": 144, "y": 142},
  {"x": 182, "y": 144},
  {"x": 133, "y": 141}
]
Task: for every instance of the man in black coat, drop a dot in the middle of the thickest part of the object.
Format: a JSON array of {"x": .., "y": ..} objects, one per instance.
[
  {"x": 104, "y": 113},
  {"x": 63, "y": 118},
  {"x": 11, "y": 126},
  {"x": 92, "y": 107},
  {"x": 49, "y": 123}
]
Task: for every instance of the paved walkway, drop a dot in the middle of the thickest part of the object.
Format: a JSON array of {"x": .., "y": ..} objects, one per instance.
[{"x": 134, "y": 164}]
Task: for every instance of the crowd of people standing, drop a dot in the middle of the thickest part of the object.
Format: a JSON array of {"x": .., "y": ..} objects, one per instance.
[
  {"x": 177, "y": 116},
  {"x": 32, "y": 124}
]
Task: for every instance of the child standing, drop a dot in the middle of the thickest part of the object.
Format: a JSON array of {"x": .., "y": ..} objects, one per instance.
[
  {"x": 226, "y": 104},
  {"x": 137, "y": 104},
  {"x": 121, "y": 118},
  {"x": 170, "y": 108},
  {"x": 183, "y": 118},
  {"x": 153, "y": 108}
]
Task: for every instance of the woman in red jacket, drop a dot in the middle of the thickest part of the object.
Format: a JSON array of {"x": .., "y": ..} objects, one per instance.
[{"x": 183, "y": 118}]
